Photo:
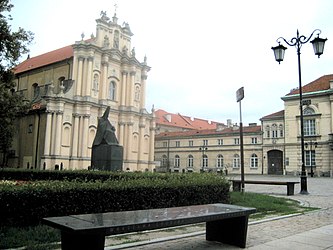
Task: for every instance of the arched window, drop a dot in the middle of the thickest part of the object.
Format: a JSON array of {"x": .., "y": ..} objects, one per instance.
[
  {"x": 164, "y": 161},
  {"x": 66, "y": 136},
  {"x": 137, "y": 93},
  {"x": 254, "y": 161},
  {"x": 116, "y": 39},
  {"x": 235, "y": 161},
  {"x": 308, "y": 111},
  {"x": 268, "y": 131},
  {"x": 35, "y": 89},
  {"x": 219, "y": 161},
  {"x": 204, "y": 161},
  {"x": 274, "y": 131},
  {"x": 112, "y": 91},
  {"x": 190, "y": 161},
  {"x": 96, "y": 82},
  {"x": 61, "y": 84},
  {"x": 177, "y": 161}
]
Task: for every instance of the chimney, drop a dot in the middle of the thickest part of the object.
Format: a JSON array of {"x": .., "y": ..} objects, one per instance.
[
  {"x": 220, "y": 126},
  {"x": 229, "y": 123}
]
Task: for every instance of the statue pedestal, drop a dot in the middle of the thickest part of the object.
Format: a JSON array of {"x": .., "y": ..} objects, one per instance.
[{"x": 107, "y": 157}]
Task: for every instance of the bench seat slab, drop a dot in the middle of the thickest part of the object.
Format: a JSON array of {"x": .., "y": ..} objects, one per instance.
[{"x": 88, "y": 231}]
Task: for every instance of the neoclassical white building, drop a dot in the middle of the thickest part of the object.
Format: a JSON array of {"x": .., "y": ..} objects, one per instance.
[
  {"x": 282, "y": 135},
  {"x": 70, "y": 88}
]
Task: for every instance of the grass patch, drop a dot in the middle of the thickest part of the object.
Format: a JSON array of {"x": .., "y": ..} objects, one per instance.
[
  {"x": 34, "y": 237},
  {"x": 267, "y": 205}
]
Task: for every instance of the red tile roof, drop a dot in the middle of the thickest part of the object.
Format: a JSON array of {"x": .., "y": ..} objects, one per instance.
[
  {"x": 279, "y": 114},
  {"x": 192, "y": 133},
  {"x": 322, "y": 83},
  {"x": 45, "y": 59},
  {"x": 181, "y": 121}
]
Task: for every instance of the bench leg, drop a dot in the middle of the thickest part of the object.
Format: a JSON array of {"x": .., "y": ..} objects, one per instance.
[
  {"x": 231, "y": 231},
  {"x": 73, "y": 241},
  {"x": 236, "y": 186},
  {"x": 290, "y": 189}
]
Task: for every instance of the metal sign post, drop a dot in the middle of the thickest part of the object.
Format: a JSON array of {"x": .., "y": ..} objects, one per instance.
[{"x": 240, "y": 97}]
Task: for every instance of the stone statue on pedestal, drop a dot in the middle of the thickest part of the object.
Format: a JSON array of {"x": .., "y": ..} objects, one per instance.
[{"x": 107, "y": 154}]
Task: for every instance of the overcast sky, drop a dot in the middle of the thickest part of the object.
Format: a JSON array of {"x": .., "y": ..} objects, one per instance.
[{"x": 200, "y": 51}]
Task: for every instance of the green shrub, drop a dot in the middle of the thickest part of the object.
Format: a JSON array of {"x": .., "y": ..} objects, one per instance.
[{"x": 25, "y": 203}]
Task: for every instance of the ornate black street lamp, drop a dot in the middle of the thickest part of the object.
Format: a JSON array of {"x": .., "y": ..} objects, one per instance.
[{"x": 318, "y": 46}]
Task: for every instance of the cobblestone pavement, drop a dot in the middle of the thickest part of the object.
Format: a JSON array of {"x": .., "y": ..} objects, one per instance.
[{"x": 313, "y": 230}]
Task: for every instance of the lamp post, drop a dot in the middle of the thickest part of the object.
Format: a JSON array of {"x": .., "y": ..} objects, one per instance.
[
  {"x": 318, "y": 46},
  {"x": 203, "y": 149},
  {"x": 310, "y": 144}
]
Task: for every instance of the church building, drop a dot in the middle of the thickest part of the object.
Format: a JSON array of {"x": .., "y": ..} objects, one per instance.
[{"x": 70, "y": 88}]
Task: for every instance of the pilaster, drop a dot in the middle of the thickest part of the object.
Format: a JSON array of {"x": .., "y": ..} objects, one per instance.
[{"x": 123, "y": 88}]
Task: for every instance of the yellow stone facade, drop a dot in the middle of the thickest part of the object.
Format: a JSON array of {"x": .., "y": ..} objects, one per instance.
[
  {"x": 282, "y": 136},
  {"x": 69, "y": 95},
  {"x": 214, "y": 150}
]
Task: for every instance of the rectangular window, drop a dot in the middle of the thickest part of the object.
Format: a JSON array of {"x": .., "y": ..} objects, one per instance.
[
  {"x": 219, "y": 142},
  {"x": 236, "y": 141},
  {"x": 310, "y": 158},
  {"x": 190, "y": 162},
  {"x": 274, "y": 133},
  {"x": 205, "y": 142},
  {"x": 235, "y": 163},
  {"x": 177, "y": 144},
  {"x": 190, "y": 143},
  {"x": 254, "y": 162},
  {"x": 254, "y": 140},
  {"x": 177, "y": 162},
  {"x": 309, "y": 127},
  {"x": 165, "y": 144},
  {"x": 205, "y": 162}
]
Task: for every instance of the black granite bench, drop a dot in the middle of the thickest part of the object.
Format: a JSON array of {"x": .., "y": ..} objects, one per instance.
[
  {"x": 236, "y": 184},
  {"x": 224, "y": 223}
]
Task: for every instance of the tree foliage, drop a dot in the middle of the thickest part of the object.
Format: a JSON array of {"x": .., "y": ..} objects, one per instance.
[{"x": 13, "y": 44}]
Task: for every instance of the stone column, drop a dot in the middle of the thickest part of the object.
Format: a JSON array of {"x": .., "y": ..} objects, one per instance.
[
  {"x": 58, "y": 128},
  {"x": 79, "y": 153},
  {"x": 48, "y": 133},
  {"x": 131, "y": 89},
  {"x": 123, "y": 88},
  {"x": 103, "y": 88},
  {"x": 84, "y": 135},
  {"x": 79, "y": 77},
  {"x": 129, "y": 140},
  {"x": 75, "y": 135},
  {"x": 121, "y": 133},
  {"x": 141, "y": 140},
  {"x": 143, "y": 92},
  {"x": 89, "y": 76},
  {"x": 152, "y": 140},
  {"x": 53, "y": 133}
]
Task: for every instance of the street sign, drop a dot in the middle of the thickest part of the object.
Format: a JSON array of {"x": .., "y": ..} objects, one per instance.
[{"x": 240, "y": 94}]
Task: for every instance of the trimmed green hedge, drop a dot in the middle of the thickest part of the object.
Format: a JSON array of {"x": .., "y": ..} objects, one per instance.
[
  {"x": 68, "y": 175},
  {"x": 25, "y": 203}
]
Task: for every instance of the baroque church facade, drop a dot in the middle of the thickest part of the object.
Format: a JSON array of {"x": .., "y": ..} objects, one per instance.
[{"x": 70, "y": 88}]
